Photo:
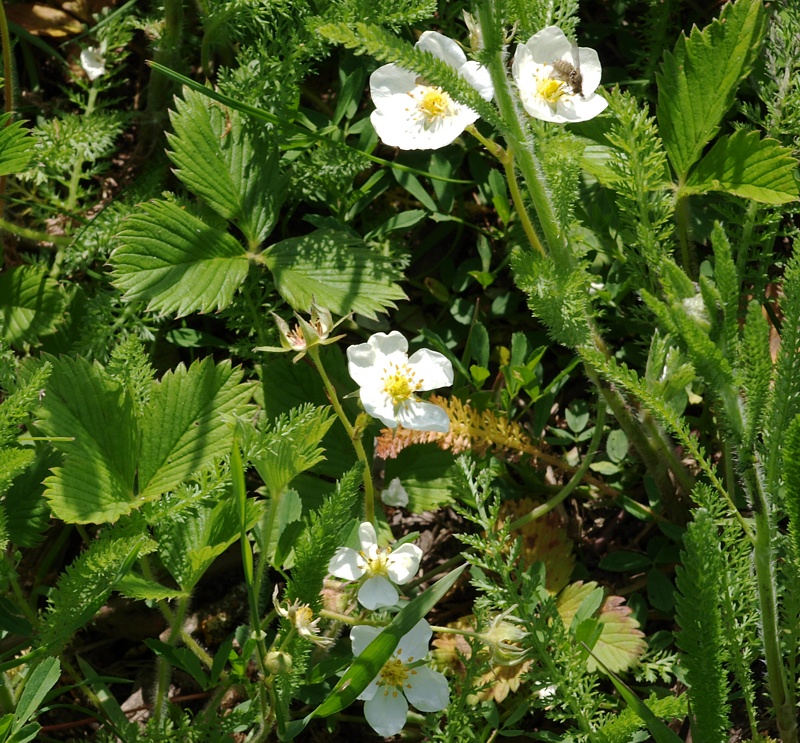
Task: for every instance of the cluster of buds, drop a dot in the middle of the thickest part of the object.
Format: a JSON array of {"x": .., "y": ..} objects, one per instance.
[{"x": 306, "y": 333}]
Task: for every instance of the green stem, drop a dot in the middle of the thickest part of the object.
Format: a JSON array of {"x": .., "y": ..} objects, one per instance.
[
  {"x": 164, "y": 668},
  {"x": 545, "y": 508},
  {"x": 22, "y": 601},
  {"x": 506, "y": 159},
  {"x": 77, "y": 168},
  {"x": 518, "y": 142},
  {"x": 682, "y": 220},
  {"x": 352, "y": 432},
  {"x": 781, "y": 689}
]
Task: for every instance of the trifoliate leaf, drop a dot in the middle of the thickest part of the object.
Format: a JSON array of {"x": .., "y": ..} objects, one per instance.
[
  {"x": 427, "y": 475},
  {"x": 337, "y": 271},
  {"x": 747, "y": 166},
  {"x": 176, "y": 262},
  {"x": 188, "y": 422},
  {"x": 621, "y": 642},
  {"x": 95, "y": 483},
  {"x": 229, "y": 161},
  {"x": 31, "y": 303},
  {"x": 697, "y": 82}
]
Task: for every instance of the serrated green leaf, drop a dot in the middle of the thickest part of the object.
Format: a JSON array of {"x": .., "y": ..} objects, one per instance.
[
  {"x": 193, "y": 539},
  {"x": 138, "y": 587},
  {"x": 95, "y": 483},
  {"x": 16, "y": 146},
  {"x": 697, "y": 83},
  {"x": 228, "y": 161},
  {"x": 336, "y": 270},
  {"x": 28, "y": 514},
  {"x": 746, "y": 165},
  {"x": 176, "y": 262},
  {"x": 31, "y": 303},
  {"x": 188, "y": 422}
]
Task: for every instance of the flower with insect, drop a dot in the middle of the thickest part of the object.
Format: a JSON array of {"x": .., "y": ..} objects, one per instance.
[
  {"x": 556, "y": 79},
  {"x": 412, "y": 114},
  {"x": 389, "y": 379},
  {"x": 380, "y": 569},
  {"x": 403, "y": 679}
]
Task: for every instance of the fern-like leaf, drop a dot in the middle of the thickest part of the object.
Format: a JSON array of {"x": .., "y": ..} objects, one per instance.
[{"x": 698, "y": 612}]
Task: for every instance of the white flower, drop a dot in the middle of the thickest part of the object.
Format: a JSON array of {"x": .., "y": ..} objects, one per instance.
[
  {"x": 395, "y": 494},
  {"x": 388, "y": 379},
  {"x": 413, "y": 115},
  {"x": 401, "y": 680},
  {"x": 381, "y": 568},
  {"x": 302, "y": 618},
  {"x": 556, "y": 80},
  {"x": 93, "y": 62}
]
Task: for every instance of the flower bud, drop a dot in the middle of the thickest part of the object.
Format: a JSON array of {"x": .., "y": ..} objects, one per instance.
[{"x": 279, "y": 662}]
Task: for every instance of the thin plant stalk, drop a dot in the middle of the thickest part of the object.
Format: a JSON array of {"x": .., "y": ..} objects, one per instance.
[{"x": 353, "y": 433}]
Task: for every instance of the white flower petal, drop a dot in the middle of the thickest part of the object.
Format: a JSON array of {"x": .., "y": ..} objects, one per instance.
[
  {"x": 394, "y": 494},
  {"x": 93, "y": 62},
  {"x": 361, "y": 364},
  {"x": 376, "y": 593},
  {"x": 386, "y": 712},
  {"x": 346, "y": 564},
  {"x": 366, "y": 536},
  {"x": 403, "y": 563},
  {"x": 423, "y": 416},
  {"x": 361, "y": 636},
  {"x": 442, "y": 47},
  {"x": 379, "y": 405},
  {"x": 433, "y": 368},
  {"x": 413, "y": 645},
  {"x": 548, "y": 45},
  {"x": 591, "y": 70},
  {"x": 479, "y": 78},
  {"x": 427, "y": 690},
  {"x": 393, "y": 345},
  {"x": 390, "y": 80}
]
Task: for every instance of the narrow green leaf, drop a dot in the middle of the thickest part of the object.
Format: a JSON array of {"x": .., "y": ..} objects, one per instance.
[
  {"x": 182, "y": 658},
  {"x": 660, "y": 732},
  {"x": 232, "y": 165},
  {"x": 95, "y": 483},
  {"x": 698, "y": 81},
  {"x": 367, "y": 665},
  {"x": 42, "y": 679},
  {"x": 16, "y": 146},
  {"x": 31, "y": 303},
  {"x": 137, "y": 587},
  {"x": 188, "y": 422},
  {"x": 336, "y": 270},
  {"x": 176, "y": 262},
  {"x": 745, "y": 165}
]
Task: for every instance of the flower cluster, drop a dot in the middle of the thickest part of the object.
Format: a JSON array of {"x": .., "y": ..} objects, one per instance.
[
  {"x": 402, "y": 679},
  {"x": 555, "y": 79}
]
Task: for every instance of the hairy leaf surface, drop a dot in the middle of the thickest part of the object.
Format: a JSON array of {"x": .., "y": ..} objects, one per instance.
[
  {"x": 176, "y": 262},
  {"x": 336, "y": 270},
  {"x": 31, "y": 303},
  {"x": 745, "y": 165},
  {"x": 225, "y": 159},
  {"x": 697, "y": 82}
]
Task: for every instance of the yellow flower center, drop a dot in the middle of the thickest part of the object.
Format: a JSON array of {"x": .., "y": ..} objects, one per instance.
[
  {"x": 379, "y": 565},
  {"x": 549, "y": 89},
  {"x": 304, "y": 616},
  {"x": 394, "y": 673},
  {"x": 435, "y": 104},
  {"x": 400, "y": 384}
]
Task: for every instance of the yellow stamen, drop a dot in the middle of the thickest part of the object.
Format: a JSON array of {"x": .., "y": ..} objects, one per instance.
[
  {"x": 549, "y": 89},
  {"x": 435, "y": 104},
  {"x": 400, "y": 384},
  {"x": 394, "y": 673}
]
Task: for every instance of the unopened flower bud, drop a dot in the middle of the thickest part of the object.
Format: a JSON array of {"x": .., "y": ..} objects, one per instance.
[{"x": 279, "y": 662}]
